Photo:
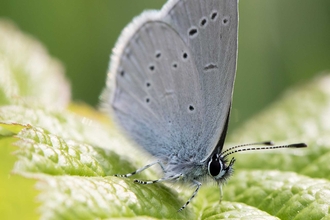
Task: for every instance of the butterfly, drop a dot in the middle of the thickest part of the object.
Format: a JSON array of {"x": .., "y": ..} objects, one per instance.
[{"x": 170, "y": 88}]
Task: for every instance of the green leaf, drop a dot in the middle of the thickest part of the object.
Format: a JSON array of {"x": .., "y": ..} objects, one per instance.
[
  {"x": 18, "y": 194},
  {"x": 42, "y": 152},
  {"x": 286, "y": 195},
  {"x": 106, "y": 197},
  {"x": 28, "y": 75},
  {"x": 301, "y": 115},
  {"x": 74, "y": 154}
]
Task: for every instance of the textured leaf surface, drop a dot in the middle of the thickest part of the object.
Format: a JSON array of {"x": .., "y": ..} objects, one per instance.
[
  {"x": 73, "y": 155},
  {"x": 17, "y": 194},
  {"x": 28, "y": 75},
  {"x": 301, "y": 115},
  {"x": 283, "y": 194}
]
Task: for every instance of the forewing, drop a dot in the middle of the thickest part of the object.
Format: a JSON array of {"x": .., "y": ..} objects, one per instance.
[
  {"x": 157, "y": 94},
  {"x": 209, "y": 28},
  {"x": 173, "y": 73}
]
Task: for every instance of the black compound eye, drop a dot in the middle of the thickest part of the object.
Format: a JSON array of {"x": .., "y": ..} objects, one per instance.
[{"x": 214, "y": 167}]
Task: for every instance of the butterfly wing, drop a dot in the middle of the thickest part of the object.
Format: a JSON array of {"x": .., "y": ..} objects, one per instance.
[
  {"x": 210, "y": 29},
  {"x": 157, "y": 89},
  {"x": 173, "y": 75}
]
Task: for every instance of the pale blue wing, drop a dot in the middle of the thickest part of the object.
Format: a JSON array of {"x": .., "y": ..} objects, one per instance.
[
  {"x": 172, "y": 75},
  {"x": 157, "y": 91},
  {"x": 209, "y": 28}
]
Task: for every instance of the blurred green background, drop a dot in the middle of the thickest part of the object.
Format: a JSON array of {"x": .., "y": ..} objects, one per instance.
[{"x": 281, "y": 43}]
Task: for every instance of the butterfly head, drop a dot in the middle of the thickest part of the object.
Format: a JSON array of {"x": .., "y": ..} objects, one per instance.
[{"x": 219, "y": 169}]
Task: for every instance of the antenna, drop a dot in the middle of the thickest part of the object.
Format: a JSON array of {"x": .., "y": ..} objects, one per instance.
[
  {"x": 268, "y": 143},
  {"x": 269, "y": 146}
]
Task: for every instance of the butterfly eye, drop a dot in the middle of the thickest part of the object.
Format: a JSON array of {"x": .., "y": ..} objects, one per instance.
[{"x": 215, "y": 167}]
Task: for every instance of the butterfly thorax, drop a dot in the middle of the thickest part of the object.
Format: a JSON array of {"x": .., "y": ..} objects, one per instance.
[
  {"x": 190, "y": 170},
  {"x": 215, "y": 167}
]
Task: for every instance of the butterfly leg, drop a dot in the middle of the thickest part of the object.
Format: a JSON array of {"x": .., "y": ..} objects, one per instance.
[
  {"x": 175, "y": 177},
  {"x": 193, "y": 195},
  {"x": 221, "y": 193},
  {"x": 141, "y": 169}
]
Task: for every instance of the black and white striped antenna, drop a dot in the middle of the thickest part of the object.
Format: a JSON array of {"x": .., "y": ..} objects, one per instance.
[{"x": 269, "y": 145}]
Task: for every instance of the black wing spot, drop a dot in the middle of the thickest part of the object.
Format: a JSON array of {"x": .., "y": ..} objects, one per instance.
[
  {"x": 225, "y": 21},
  {"x": 148, "y": 84},
  {"x": 210, "y": 67},
  {"x": 152, "y": 67},
  {"x": 214, "y": 15},
  {"x": 174, "y": 65},
  {"x": 203, "y": 22},
  {"x": 185, "y": 55},
  {"x": 147, "y": 100},
  {"x": 191, "y": 108},
  {"x": 122, "y": 72},
  {"x": 158, "y": 54},
  {"x": 193, "y": 32}
]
